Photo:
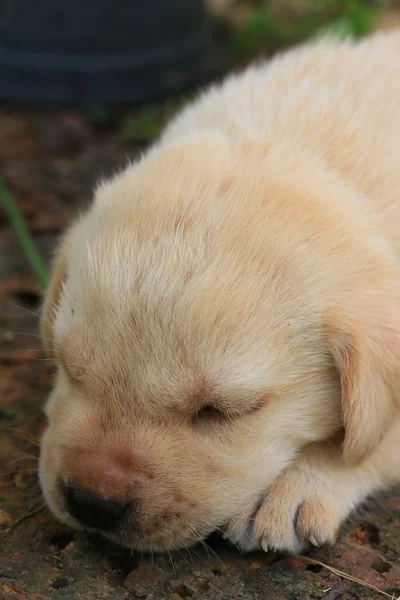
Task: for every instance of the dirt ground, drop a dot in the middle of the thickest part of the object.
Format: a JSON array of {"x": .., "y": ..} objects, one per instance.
[{"x": 50, "y": 161}]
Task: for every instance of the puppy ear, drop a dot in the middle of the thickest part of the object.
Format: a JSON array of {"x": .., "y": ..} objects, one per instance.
[
  {"x": 364, "y": 340},
  {"x": 52, "y": 298}
]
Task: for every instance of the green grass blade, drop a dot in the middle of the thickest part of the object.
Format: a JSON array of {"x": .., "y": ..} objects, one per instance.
[{"x": 22, "y": 232}]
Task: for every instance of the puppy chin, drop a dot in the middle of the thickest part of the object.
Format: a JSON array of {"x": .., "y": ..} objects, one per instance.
[{"x": 161, "y": 541}]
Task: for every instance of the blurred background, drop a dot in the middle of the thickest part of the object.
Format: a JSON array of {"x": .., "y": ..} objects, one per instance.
[{"x": 85, "y": 86}]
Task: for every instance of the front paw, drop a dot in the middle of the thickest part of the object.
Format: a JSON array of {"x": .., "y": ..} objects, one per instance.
[{"x": 290, "y": 517}]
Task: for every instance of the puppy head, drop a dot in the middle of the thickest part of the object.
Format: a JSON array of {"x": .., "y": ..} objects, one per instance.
[{"x": 190, "y": 317}]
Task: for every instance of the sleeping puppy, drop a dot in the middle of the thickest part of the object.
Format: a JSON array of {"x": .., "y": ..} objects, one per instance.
[{"x": 226, "y": 316}]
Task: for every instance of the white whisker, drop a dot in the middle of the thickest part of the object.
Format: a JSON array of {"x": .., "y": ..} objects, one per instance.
[{"x": 25, "y": 309}]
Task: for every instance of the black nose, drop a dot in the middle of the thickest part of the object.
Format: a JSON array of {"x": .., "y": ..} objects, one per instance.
[{"x": 93, "y": 511}]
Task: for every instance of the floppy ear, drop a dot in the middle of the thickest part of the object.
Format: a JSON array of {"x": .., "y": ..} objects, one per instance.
[
  {"x": 51, "y": 299},
  {"x": 364, "y": 339}
]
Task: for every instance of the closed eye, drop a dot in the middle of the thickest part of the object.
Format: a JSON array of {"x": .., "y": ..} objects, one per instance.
[
  {"x": 209, "y": 412},
  {"x": 212, "y": 414}
]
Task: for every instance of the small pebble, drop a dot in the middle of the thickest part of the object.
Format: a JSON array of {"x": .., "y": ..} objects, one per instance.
[
  {"x": 6, "y": 519},
  {"x": 58, "y": 584}
]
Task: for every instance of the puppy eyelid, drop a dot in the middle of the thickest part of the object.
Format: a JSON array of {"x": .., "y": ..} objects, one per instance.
[
  {"x": 215, "y": 414},
  {"x": 209, "y": 411}
]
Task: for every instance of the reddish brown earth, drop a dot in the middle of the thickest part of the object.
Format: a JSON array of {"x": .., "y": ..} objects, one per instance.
[{"x": 50, "y": 161}]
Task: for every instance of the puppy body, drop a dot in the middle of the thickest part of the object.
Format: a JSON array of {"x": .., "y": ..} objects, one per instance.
[{"x": 226, "y": 315}]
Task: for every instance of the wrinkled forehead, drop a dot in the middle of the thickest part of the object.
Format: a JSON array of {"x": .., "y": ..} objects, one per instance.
[
  {"x": 147, "y": 360},
  {"x": 148, "y": 366},
  {"x": 157, "y": 315}
]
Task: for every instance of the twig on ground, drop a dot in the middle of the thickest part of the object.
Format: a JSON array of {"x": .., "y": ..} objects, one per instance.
[
  {"x": 25, "y": 516},
  {"x": 347, "y": 576}
]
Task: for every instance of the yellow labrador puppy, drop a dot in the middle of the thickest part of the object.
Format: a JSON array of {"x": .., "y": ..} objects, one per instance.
[{"x": 226, "y": 316}]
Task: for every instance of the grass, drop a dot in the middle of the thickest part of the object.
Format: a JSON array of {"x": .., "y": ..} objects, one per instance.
[
  {"x": 7, "y": 201},
  {"x": 343, "y": 18},
  {"x": 147, "y": 122}
]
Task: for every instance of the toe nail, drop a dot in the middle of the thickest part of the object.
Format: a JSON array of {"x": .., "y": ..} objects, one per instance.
[
  {"x": 313, "y": 541},
  {"x": 264, "y": 546}
]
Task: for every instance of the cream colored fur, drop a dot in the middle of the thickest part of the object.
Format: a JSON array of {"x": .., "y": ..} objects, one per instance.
[{"x": 250, "y": 261}]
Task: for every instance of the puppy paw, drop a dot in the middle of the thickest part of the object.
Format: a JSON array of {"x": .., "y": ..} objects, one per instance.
[{"x": 293, "y": 515}]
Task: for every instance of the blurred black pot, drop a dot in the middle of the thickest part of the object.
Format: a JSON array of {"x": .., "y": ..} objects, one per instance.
[{"x": 103, "y": 51}]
